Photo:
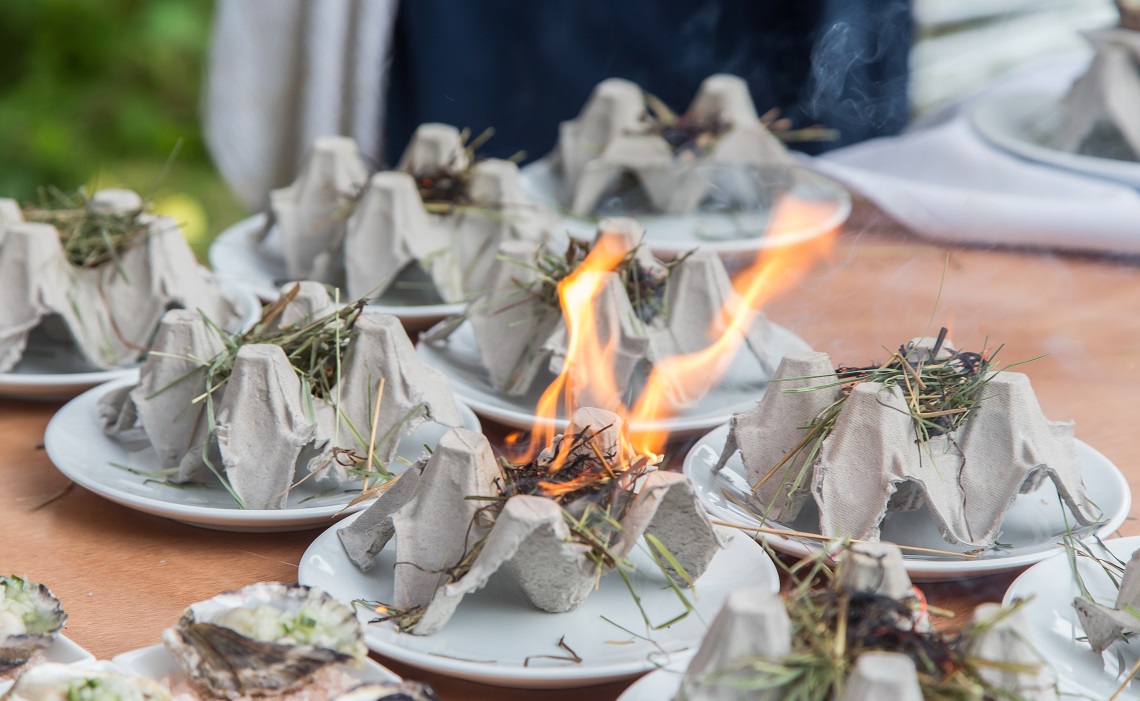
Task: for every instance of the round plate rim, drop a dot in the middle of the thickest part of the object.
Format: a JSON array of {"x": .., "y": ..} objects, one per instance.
[
  {"x": 843, "y": 201},
  {"x": 515, "y": 676},
  {"x": 236, "y": 237},
  {"x": 197, "y": 515},
  {"x": 1016, "y": 106},
  {"x": 936, "y": 570},
  {"x": 1010, "y": 597}
]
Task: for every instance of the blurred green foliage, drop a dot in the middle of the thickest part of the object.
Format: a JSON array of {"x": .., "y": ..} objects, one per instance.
[{"x": 99, "y": 92}]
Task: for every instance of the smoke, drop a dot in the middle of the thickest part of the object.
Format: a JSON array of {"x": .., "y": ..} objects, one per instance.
[{"x": 859, "y": 69}]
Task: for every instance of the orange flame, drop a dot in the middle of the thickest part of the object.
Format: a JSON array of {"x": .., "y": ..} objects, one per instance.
[
  {"x": 590, "y": 358},
  {"x": 585, "y": 352},
  {"x": 776, "y": 268}
]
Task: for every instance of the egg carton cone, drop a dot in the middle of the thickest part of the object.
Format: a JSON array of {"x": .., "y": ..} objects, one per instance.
[
  {"x": 510, "y": 327},
  {"x": 616, "y": 107},
  {"x": 612, "y": 137},
  {"x": 429, "y": 514},
  {"x": 878, "y": 569},
  {"x": 967, "y": 479},
  {"x": 752, "y": 624},
  {"x": 262, "y": 398},
  {"x": 312, "y": 212},
  {"x": 388, "y": 230},
  {"x": 433, "y": 147},
  {"x": 772, "y": 429},
  {"x": 1108, "y": 94},
  {"x": 110, "y": 312},
  {"x": 266, "y": 429},
  {"x": 875, "y": 568},
  {"x": 1104, "y": 625},
  {"x": 312, "y": 301},
  {"x": 391, "y": 228},
  {"x": 1005, "y": 638},
  {"x": 882, "y": 675}
]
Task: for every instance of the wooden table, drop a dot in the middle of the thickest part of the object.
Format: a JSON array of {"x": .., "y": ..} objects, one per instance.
[{"x": 125, "y": 576}]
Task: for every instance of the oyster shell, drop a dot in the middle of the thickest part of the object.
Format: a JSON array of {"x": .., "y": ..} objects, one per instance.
[
  {"x": 30, "y": 618},
  {"x": 390, "y": 691},
  {"x": 267, "y": 638},
  {"x": 60, "y": 682}
]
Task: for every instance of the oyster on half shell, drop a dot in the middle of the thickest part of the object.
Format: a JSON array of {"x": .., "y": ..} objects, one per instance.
[
  {"x": 267, "y": 638},
  {"x": 60, "y": 682},
  {"x": 30, "y": 618},
  {"x": 390, "y": 691}
]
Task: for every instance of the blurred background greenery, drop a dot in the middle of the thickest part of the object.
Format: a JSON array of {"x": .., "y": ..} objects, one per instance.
[{"x": 99, "y": 92}]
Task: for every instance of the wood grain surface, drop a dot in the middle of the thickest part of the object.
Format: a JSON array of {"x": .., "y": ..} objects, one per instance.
[{"x": 124, "y": 576}]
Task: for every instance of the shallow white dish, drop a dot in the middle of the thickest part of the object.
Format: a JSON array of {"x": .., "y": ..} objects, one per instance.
[
  {"x": 61, "y": 651},
  {"x": 75, "y": 442},
  {"x": 497, "y": 628},
  {"x": 1032, "y": 527},
  {"x": 53, "y": 371},
  {"x": 1049, "y": 588},
  {"x": 673, "y": 234},
  {"x": 155, "y": 663},
  {"x": 1022, "y": 124},
  {"x": 238, "y": 254},
  {"x": 458, "y": 358}
]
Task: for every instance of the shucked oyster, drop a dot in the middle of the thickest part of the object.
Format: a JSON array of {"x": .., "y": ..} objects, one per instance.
[
  {"x": 30, "y": 618},
  {"x": 390, "y": 691},
  {"x": 59, "y": 682},
  {"x": 267, "y": 638}
]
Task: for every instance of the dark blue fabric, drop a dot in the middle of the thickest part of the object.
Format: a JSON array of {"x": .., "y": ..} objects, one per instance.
[{"x": 523, "y": 66}]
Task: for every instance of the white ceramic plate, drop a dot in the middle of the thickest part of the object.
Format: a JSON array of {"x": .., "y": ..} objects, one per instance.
[
  {"x": 673, "y": 234},
  {"x": 155, "y": 663},
  {"x": 1022, "y": 123},
  {"x": 1049, "y": 588},
  {"x": 54, "y": 371},
  {"x": 497, "y": 628},
  {"x": 238, "y": 254},
  {"x": 75, "y": 442},
  {"x": 61, "y": 651},
  {"x": 458, "y": 358},
  {"x": 1032, "y": 528}
]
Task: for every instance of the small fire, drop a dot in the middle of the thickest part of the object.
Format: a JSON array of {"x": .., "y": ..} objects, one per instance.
[{"x": 593, "y": 352}]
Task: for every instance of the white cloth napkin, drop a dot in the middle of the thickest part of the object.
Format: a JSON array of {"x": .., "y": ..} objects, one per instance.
[{"x": 943, "y": 181}]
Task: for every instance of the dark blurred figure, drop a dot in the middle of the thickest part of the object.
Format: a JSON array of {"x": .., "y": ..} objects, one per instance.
[
  {"x": 523, "y": 67},
  {"x": 284, "y": 72}
]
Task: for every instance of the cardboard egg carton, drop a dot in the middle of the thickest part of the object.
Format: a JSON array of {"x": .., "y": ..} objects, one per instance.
[
  {"x": 266, "y": 428},
  {"x": 432, "y": 516},
  {"x": 110, "y": 312},
  {"x": 340, "y": 226},
  {"x": 968, "y": 479},
  {"x": 612, "y": 136}
]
